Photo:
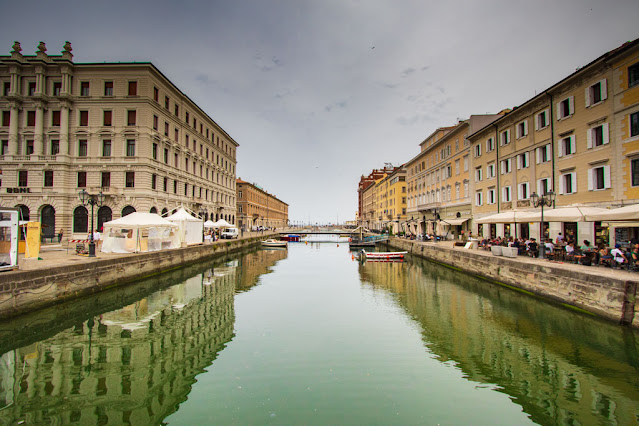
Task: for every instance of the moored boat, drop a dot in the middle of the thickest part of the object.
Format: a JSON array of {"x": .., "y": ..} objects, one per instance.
[
  {"x": 292, "y": 238},
  {"x": 274, "y": 243},
  {"x": 385, "y": 255}
]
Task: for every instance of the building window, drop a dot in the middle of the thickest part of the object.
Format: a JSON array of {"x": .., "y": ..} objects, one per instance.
[
  {"x": 107, "y": 118},
  {"x": 154, "y": 151},
  {"x": 105, "y": 179},
  {"x": 31, "y": 118},
  {"x": 55, "y": 118},
  {"x": 598, "y": 136},
  {"x": 133, "y": 88},
  {"x": 22, "y": 178},
  {"x": 596, "y": 93},
  {"x": 477, "y": 150},
  {"x": 166, "y": 102},
  {"x": 82, "y": 148},
  {"x": 490, "y": 171},
  {"x": 130, "y": 147},
  {"x": 568, "y": 183},
  {"x": 186, "y": 117},
  {"x": 599, "y": 178},
  {"x": 541, "y": 121},
  {"x": 57, "y": 88},
  {"x": 505, "y": 137},
  {"x": 6, "y": 118},
  {"x": 491, "y": 196},
  {"x": 166, "y": 128},
  {"x": 154, "y": 179},
  {"x": 31, "y": 89},
  {"x": 566, "y": 108},
  {"x": 106, "y": 148},
  {"x": 108, "y": 88},
  {"x": 166, "y": 184},
  {"x": 166, "y": 156},
  {"x": 634, "y": 171},
  {"x": 131, "y": 116},
  {"x": 4, "y": 147},
  {"x": 80, "y": 220},
  {"x": 633, "y": 75},
  {"x": 156, "y": 94},
  {"x": 176, "y": 160},
  {"x": 84, "y": 88},
  {"x": 490, "y": 145},
  {"x": 522, "y": 129},
  {"x": 84, "y": 118},
  {"x": 55, "y": 146},
  {"x": 567, "y": 146},
  {"x": 506, "y": 166},
  {"x": 177, "y": 135},
  {"x": 543, "y": 186},
  {"x": 82, "y": 179},
  {"x": 155, "y": 122},
  {"x": 175, "y": 186},
  {"x": 524, "y": 191},
  {"x": 634, "y": 124},
  {"x": 48, "y": 178},
  {"x": 506, "y": 194},
  {"x": 543, "y": 154},
  {"x": 523, "y": 160},
  {"x": 478, "y": 174},
  {"x": 130, "y": 179},
  {"x": 479, "y": 198},
  {"x": 177, "y": 110}
]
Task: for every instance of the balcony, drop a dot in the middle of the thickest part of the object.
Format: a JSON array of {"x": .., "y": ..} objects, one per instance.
[
  {"x": 523, "y": 203},
  {"x": 47, "y": 158}
]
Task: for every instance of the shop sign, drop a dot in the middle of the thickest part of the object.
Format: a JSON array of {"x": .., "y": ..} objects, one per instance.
[{"x": 18, "y": 190}]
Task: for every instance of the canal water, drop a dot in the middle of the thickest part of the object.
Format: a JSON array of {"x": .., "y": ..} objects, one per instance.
[{"x": 309, "y": 335}]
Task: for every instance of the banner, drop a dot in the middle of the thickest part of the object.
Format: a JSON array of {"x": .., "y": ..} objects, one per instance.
[{"x": 32, "y": 249}]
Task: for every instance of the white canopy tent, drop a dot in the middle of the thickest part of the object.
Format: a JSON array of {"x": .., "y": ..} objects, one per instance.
[
  {"x": 222, "y": 224},
  {"x": 565, "y": 214},
  {"x": 139, "y": 232},
  {"x": 626, "y": 213},
  {"x": 209, "y": 224},
  {"x": 512, "y": 216},
  {"x": 190, "y": 228}
]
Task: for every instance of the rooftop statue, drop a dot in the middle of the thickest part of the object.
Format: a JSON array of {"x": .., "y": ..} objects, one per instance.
[
  {"x": 42, "y": 47},
  {"x": 16, "y": 47}
]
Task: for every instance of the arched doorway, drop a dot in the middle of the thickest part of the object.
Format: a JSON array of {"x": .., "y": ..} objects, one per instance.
[
  {"x": 80, "y": 220},
  {"x": 153, "y": 210},
  {"x": 128, "y": 210},
  {"x": 164, "y": 212},
  {"x": 104, "y": 215},
  {"x": 47, "y": 218}
]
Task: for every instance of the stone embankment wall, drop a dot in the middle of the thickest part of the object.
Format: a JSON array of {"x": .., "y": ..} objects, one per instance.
[
  {"x": 611, "y": 298},
  {"x": 25, "y": 291}
]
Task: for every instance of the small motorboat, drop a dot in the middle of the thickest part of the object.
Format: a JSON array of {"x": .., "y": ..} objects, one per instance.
[
  {"x": 274, "y": 243},
  {"x": 292, "y": 238},
  {"x": 383, "y": 255}
]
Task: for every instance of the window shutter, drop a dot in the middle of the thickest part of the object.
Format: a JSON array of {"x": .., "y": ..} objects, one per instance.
[
  {"x": 548, "y": 152},
  {"x": 587, "y": 96},
  {"x": 527, "y": 158},
  {"x": 488, "y": 145},
  {"x": 589, "y": 134},
  {"x": 508, "y": 136},
  {"x": 527, "y": 186},
  {"x": 562, "y": 180},
  {"x": 525, "y": 127},
  {"x": 537, "y": 118},
  {"x": 503, "y": 167},
  {"x": 519, "y": 191},
  {"x": 519, "y": 159},
  {"x": 510, "y": 164},
  {"x": 558, "y": 110},
  {"x": 539, "y": 192},
  {"x": 538, "y": 151},
  {"x": 607, "y": 183},
  {"x": 573, "y": 146},
  {"x": 571, "y": 105},
  {"x": 560, "y": 148},
  {"x": 604, "y": 130},
  {"x": 573, "y": 181},
  {"x": 590, "y": 174},
  {"x": 604, "y": 89}
]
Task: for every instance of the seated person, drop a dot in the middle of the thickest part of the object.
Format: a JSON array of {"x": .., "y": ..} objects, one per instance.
[
  {"x": 604, "y": 255},
  {"x": 587, "y": 246},
  {"x": 618, "y": 255},
  {"x": 634, "y": 255},
  {"x": 570, "y": 251},
  {"x": 550, "y": 247},
  {"x": 533, "y": 247}
]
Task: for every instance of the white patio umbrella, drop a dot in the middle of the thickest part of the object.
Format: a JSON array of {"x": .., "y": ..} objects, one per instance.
[
  {"x": 511, "y": 216},
  {"x": 566, "y": 214},
  {"x": 626, "y": 213}
]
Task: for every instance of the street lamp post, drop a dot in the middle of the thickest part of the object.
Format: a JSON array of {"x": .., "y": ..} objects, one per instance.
[
  {"x": 540, "y": 201},
  {"x": 92, "y": 200},
  {"x": 436, "y": 215}
]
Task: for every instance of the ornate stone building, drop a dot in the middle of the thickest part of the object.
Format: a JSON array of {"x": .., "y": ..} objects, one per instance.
[
  {"x": 256, "y": 207},
  {"x": 122, "y": 129}
]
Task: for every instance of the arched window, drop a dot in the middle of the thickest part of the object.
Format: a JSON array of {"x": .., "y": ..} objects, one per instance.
[
  {"x": 24, "y": 212},
  {"x": 104, "y": 215},
  {"x": 47, "y": 218},
  {"x": 127, "y": 210},
  {"x": 153, "y": 210},
  {"x": 164, "y": 212},
  {"x": 80, "y": 220}
]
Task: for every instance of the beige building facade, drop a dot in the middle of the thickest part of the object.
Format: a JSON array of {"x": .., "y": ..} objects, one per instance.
[
  {"x": 257, "y": 208},
  {"x": 120, "y": 129}
]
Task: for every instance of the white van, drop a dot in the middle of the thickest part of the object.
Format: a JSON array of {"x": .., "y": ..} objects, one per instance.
[{"x": 229, "y": 233}]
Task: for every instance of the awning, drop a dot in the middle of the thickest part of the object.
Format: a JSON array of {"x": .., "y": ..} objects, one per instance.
[
  {"x": 454, "y": 221},
  {"x": 621, "y": 224}
]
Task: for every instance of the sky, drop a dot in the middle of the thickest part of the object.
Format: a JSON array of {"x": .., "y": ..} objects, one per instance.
[{"x": 319, "y": 93}]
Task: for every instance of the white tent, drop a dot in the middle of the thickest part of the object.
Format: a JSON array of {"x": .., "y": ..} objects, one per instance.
[
  {"x": 138, "y": 232},
  {"x": 222, "y": 224},
  {"x": 190, "y": 231},
  {"x": 209, "y": 224},
  {"x": 626, "y": 213}
]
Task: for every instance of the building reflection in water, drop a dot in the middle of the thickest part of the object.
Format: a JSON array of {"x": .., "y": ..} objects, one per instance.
[
  {"x": 132, "y": 365},
  {"x": 562, "y": 367}
]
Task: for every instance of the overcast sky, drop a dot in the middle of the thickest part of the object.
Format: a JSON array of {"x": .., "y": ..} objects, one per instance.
[{"x": 318, "y": 93}]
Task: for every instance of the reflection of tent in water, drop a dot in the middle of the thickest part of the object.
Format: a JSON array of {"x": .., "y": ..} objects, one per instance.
[
  {"x": 190, "y": 228},
  {"x": 139, "y": 232}
]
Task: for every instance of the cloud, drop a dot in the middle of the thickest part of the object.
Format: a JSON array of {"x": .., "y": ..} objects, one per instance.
[
  {"x": 339, "y": 104},
  {"x": 266, "y": 65}
]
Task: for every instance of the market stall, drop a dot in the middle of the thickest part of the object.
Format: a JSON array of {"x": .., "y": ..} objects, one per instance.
[
  {"x": 139, "y": 232},
  {"x": 190, "y": 228}
]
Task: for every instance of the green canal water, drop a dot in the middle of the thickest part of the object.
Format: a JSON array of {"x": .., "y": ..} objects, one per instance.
[{"x": 310, "y": 336}]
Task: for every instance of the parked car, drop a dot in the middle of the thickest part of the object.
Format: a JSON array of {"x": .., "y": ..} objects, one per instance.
[{"x": 229, "y": 233}]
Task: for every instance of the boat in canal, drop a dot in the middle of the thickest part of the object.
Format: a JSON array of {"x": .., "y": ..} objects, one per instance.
[
  {"x": 383, "y": 255},
  {"x": 274, "y": 243},
  {"x": 292, "y": 238}
]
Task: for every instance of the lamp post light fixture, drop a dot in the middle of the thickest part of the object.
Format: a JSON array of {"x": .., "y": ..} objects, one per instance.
[
  {"x": 548, "y": 200},
  {"x": 436, "y": 216},
  {"x": 92, "y": 200}
]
